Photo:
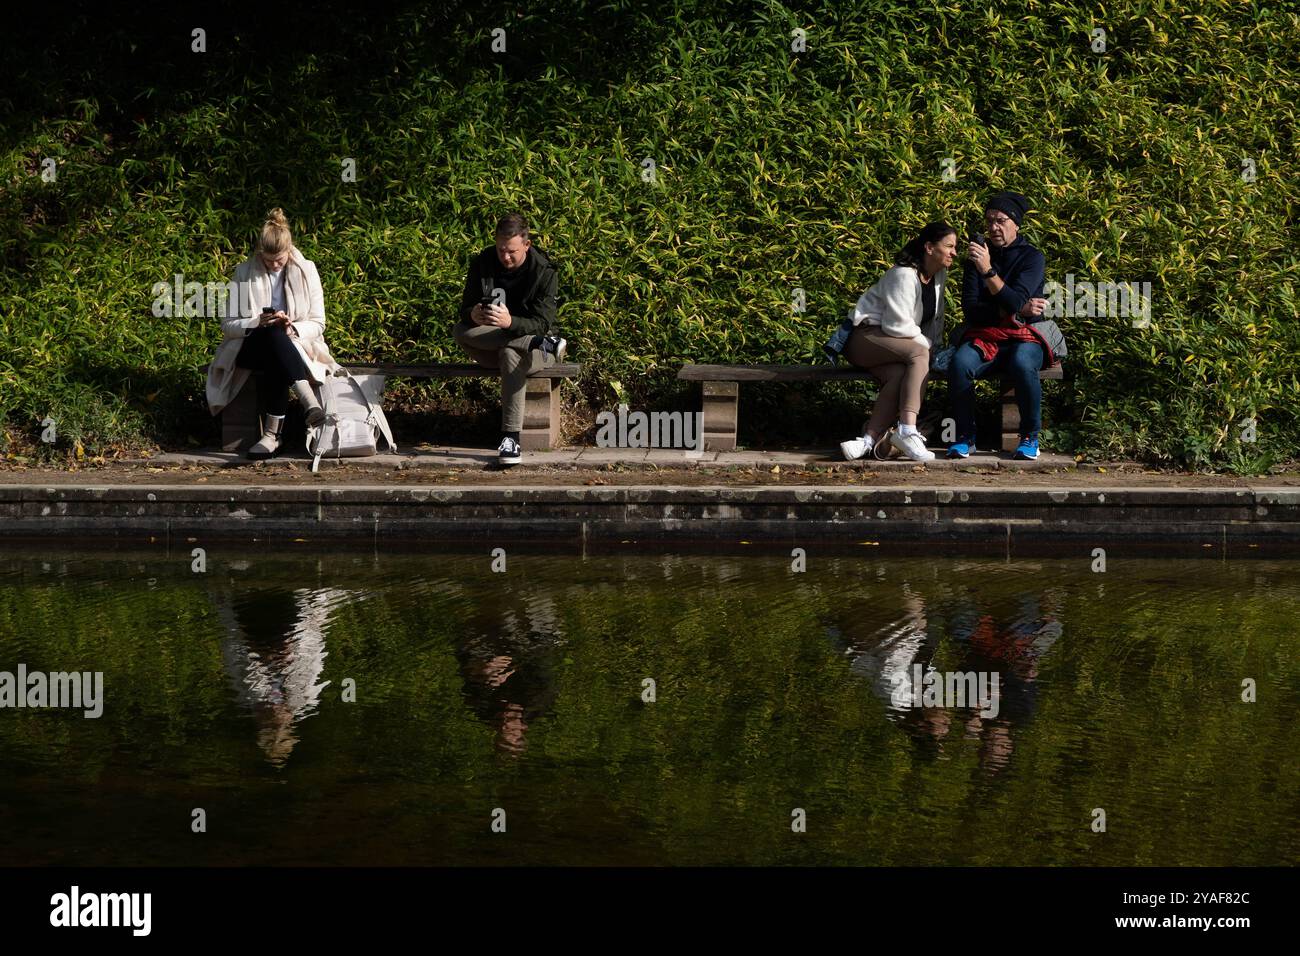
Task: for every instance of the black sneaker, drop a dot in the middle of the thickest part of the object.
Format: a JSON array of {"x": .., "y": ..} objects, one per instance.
[
  {"x": 556, "y": 346},
  {"x": 508, "y": 452}
]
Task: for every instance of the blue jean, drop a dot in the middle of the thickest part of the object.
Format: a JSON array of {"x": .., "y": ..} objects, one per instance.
[
  {"x": 1019, "y": 362},
  {"x": 834, "y": 346}
]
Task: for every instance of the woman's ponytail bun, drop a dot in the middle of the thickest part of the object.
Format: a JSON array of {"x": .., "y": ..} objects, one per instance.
[{"x": 275, "y": 236}]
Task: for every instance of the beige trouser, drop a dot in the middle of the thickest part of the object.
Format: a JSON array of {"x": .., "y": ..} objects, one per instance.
[
  {"x": 495, "y": 347},
  {"x": 900, "y": 364}
]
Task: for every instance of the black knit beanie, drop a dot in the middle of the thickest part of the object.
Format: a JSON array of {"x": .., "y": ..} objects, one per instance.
[{"x": 1013, "y": 204}]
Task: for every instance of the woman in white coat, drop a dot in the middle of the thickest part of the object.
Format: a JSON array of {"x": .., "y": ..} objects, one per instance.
[
  {"x": 896, "y": 323},
  {"x": 275, "y": 326}
]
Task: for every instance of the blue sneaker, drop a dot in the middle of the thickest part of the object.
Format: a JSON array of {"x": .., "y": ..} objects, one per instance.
[
  {"x": 961, "y": 448},
  {"x": 1027, "y": 450}
]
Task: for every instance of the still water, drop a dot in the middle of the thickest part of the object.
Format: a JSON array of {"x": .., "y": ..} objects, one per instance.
[{"x": 406, "y": 708}]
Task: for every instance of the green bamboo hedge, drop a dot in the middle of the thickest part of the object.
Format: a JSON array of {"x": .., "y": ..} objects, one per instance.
[{"x": 774, "y": 170}]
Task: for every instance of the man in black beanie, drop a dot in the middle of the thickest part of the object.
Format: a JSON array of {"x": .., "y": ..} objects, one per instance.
[{"x": 1004, "y": 333}]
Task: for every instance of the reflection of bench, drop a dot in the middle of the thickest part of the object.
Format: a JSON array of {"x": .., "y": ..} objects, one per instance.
[
  {"x": 720, "y": 385},
  {"x": 239, "y": 423}
]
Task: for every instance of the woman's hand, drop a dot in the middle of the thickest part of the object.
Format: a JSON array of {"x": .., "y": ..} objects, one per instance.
[{"x": 283, "y": 320}]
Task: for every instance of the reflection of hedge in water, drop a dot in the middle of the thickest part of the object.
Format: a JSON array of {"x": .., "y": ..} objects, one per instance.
[
  {"x": 775, "y": 170},
  {"x": 155, "y": 644},
  {"x": 758, "y": 710}
]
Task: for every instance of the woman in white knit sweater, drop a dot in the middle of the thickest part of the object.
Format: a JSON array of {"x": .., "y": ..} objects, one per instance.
[{"x": 896, "y": 324}]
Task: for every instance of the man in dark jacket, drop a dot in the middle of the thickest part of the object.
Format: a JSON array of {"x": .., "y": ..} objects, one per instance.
[
  {"x": 1004, "y": 332},
  {"x": 506, "y": 318}
]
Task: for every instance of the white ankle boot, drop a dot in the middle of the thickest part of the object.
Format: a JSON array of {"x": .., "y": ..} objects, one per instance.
[
  {"x": 267, "y": 445},
  {"x": 307, "y": 398}
]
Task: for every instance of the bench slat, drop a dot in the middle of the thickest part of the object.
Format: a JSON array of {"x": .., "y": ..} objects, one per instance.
[
  {"x": 769, "y": 373},
  {"x": 466, "y": 370},
  {"x": 794, "y": 373}
]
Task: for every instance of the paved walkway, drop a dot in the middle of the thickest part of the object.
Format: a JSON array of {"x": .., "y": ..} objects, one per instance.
[{"x": 447, "y": 456}]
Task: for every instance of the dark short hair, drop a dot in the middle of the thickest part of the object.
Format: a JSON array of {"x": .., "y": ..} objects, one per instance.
[{"x": 513, "y": 224}]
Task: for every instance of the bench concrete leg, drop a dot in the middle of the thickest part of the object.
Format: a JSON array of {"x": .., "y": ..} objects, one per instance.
[
  {"x": 541, "y": 415},
  {"x": 1010, "y": 420},
  {"x": 239, "y": 420},
  {"x": 721, "y": 413}
]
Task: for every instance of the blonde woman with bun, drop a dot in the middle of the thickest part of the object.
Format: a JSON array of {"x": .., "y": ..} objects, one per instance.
[{"x": 275, "y": 326}]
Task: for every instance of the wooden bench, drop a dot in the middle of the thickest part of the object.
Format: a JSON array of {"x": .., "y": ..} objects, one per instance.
[
  {"x": 240, "y": 426},
  {"x": 720, "y": 385}
]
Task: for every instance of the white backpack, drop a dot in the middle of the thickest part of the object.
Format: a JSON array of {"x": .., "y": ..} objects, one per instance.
[{"x": 354, "y": 418}]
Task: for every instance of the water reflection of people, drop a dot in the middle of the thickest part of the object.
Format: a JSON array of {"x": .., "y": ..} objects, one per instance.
[
  {"x": 507, "y": 662},
  {"x": 1013, "y": 649},
  {"x": 274, "y": 652},
  {"x": 890, "y": 654},
  {"x": 885, "y": 653}
]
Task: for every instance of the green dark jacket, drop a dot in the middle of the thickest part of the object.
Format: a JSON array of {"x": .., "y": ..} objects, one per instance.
[{"x": 530, "y": 290}]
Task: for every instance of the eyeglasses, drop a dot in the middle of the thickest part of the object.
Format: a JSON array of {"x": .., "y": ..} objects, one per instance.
[{"x": 996, "y": 220}]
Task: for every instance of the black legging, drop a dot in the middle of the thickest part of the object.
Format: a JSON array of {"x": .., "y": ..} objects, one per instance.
[{"x": 268, "y": 350}]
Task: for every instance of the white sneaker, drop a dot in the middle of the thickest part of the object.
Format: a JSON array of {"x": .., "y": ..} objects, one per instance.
[
  {"x": 913, "y": 446},
  {"x": 557, "y": 346},
  {"x": 508, "y": 452},
  {"x": 856, "y": 448}
]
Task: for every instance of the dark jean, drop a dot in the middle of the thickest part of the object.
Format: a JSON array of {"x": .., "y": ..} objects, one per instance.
[
  {"x": 269, "y": 352},
  {"x": 834, "y": 346},
  {"x": 1018, "y": 362}
]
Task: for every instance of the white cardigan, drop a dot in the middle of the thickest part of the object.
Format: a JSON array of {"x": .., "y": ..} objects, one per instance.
[
  {"x": 306, "y": 309},
  {"x": 894, "y": 304}
]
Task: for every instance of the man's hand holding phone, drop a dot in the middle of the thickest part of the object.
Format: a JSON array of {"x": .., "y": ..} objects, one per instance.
[{"x": 496, "y": 315}]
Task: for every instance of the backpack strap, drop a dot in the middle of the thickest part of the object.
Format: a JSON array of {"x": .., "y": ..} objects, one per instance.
[{"x": 331, "y": 422}]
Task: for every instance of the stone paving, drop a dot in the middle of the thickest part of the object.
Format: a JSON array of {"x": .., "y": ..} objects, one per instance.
[{"x": 446, "y": 456}]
